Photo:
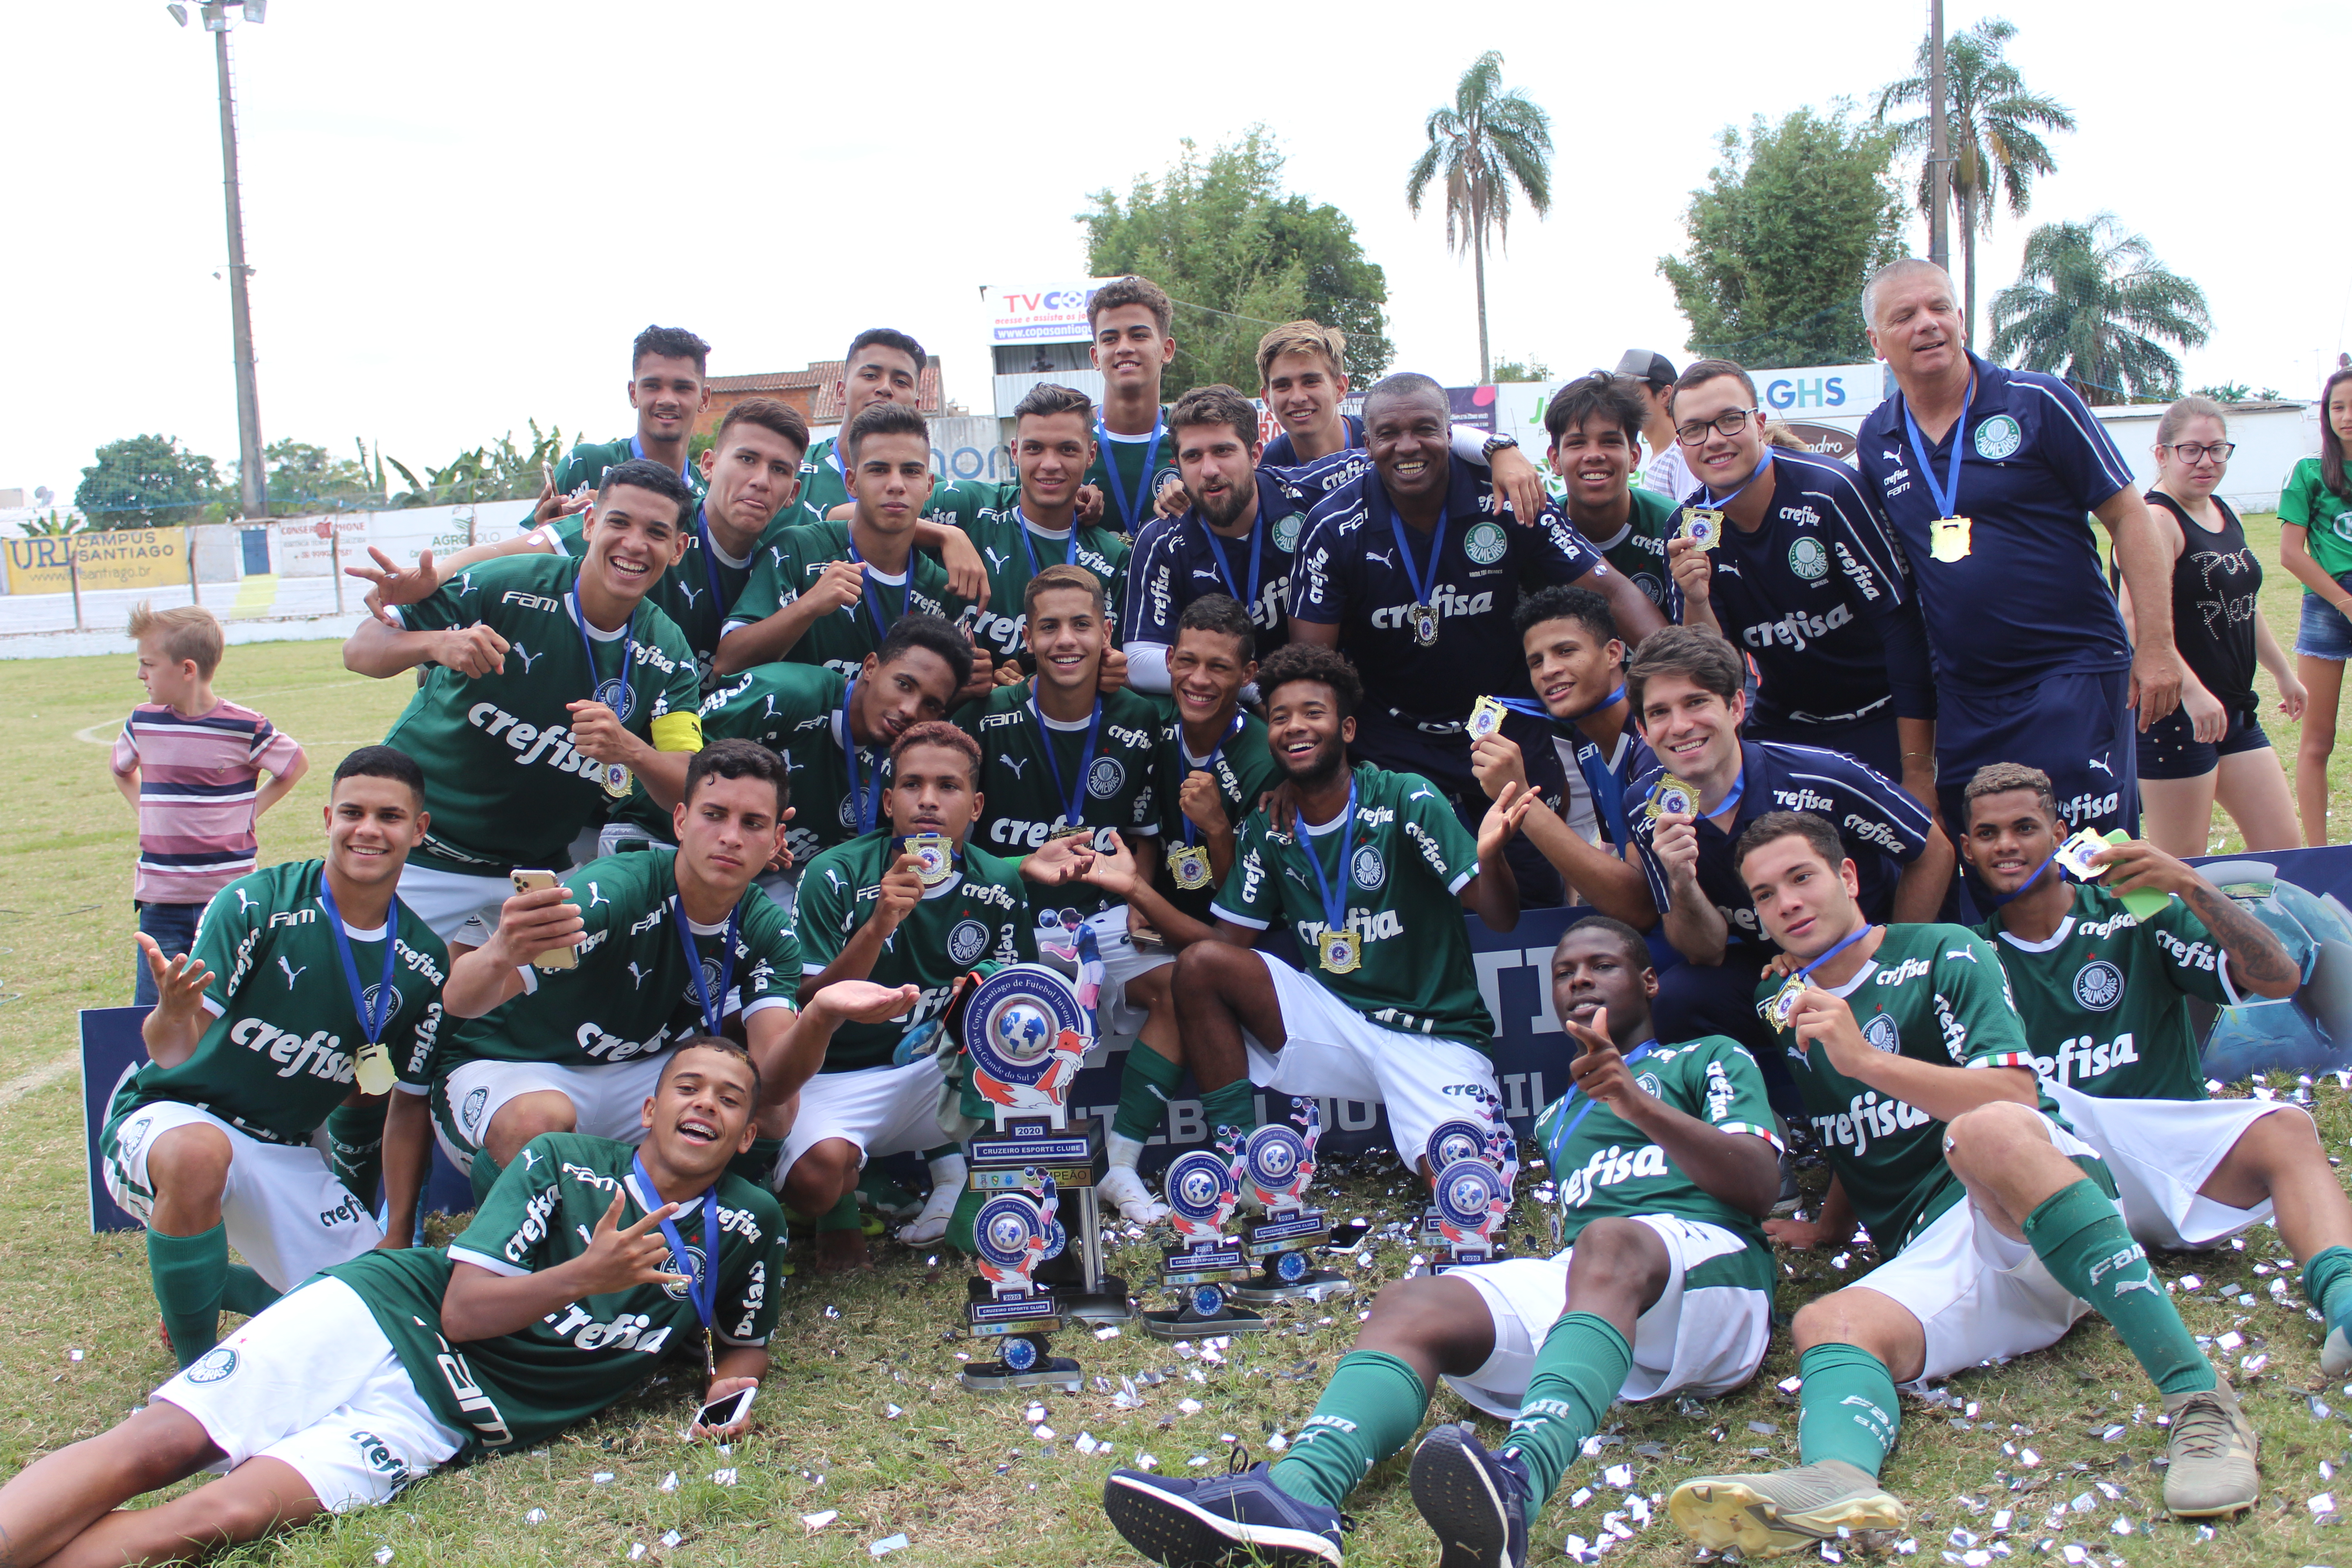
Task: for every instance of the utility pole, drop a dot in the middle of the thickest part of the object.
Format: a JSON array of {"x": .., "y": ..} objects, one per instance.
[
  {"x": 253, "y": 497},
  {"x": 1939, "y": 146}
]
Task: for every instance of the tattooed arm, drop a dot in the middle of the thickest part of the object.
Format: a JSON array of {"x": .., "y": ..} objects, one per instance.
[{"x": 2258, "y": 960}]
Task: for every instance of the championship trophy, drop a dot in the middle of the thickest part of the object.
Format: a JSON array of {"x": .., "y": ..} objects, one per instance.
[
  {"x": 1027, "y": 1036},
  {"x": 1202, "y": 1186},
  {"x": 1278, "y": 1165},
  {"x": 1477, "y": 1163}
]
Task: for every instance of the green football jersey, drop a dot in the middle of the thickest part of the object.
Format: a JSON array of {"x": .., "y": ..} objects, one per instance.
[
  {"x": 797, "y": 711},
  {"x": 981, "y": 915},
  {"x": 1639, "y": 548},
  {"x": 280, "y": 1053},
  {"x": 501, "y": 780},
  {"x": 795, "y": 557},
  {"x": 1129, "y": 454},
  {"x": 522, "y": 1388},
  {"x": 1243, "y": 767},
  {"x": 2106, "y": 999},
  {"x": 1405, "y": 863},
  {"x": 1025, "y": 789},
  {"x": 1932, "y": 993},
  {"x": 631, "y": 995},
  {"x": 1015, "y": 551},
  {"x": 1606, "y": 1167},
  {"x": 584, "y": 467}
]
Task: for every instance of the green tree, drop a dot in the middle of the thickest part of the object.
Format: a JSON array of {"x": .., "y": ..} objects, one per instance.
[
  {"x": 146, "y": 482},
  {"x": 1485, "y": 143},
  {"x": 1239, "y": 255},
  {"x": 1993, "y": 123},
  {"x": 1532, "y": 368},
  {"x": 497, "y": 471},
  {"x": 304, "y": 479},
  {"x": 1792, "y": 221},
  {"x": 2093, "y": 304}
]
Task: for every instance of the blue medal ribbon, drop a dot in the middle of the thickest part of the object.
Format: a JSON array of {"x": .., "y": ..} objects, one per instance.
[
  {"x": 372, "y": 1021},
  {"x": 1334, "y": 898},
  {"x": 1404, "y": 555},
  {"x": 1852, "y": 937},
  {"x": 1256, "y": 558},
  {"x": 1075, "y": 799},
  {"x": 1558, "y": 1141},
  {"x": 588, "y": 648},
  {"x": 867, "y": 805},
  {"x": 874, "y": 599},
  {"x": 701, "y": 1286},
  {"x": 1209, "y": 767},
  {"x": 710, "y": 561},
  {"x": 1946, "y": 496},
  {"x": 1131, "y": 516},
  {"x": 702, "y": 993},
  {"x": 2027, "y": 886},
  {"x": 1020, "y": 526}
]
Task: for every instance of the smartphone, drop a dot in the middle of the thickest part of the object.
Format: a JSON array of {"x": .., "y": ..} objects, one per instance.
[
  {"x": 555, "y": 957},
  {"x": 720, "y": 1413}
]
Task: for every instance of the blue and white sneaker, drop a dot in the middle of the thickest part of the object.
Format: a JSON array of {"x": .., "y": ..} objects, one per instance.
[
  {"x": 1240, "y": 1519},
  {"x": 1475, "y": 1501}
]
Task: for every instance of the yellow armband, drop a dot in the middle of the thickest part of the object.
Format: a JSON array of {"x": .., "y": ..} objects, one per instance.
[{"x": 677, "y": 733}]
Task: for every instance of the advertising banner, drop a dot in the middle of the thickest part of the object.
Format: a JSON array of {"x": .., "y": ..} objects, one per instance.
[
  {"x": 108, "y": 558},
  {"x": 1055, "y": 313}
]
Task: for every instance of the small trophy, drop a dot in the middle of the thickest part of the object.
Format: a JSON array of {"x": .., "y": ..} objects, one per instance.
[
  {"x": 1278, "y": 1165},
  {"x": 1203, "y": 1187},
  {"x": 1013, "y": 1234},
  {"x": 1476, "y": 1165}
]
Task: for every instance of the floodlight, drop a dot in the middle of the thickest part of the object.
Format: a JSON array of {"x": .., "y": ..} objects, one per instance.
[{"x": 179, "y": 12}]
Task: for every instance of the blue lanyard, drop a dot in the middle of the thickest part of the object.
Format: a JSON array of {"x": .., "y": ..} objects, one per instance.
[
  {"x": 372, "y": 1021},
  {"x": 1334, "y": 907},
  {"x": 1256, "y": 558},
  {"x": 702, "y": 1287},
  {"x": 866, "y": 804},
  {"x": 628, "y": 651},
  {"x": 1130, "y": 515},
  {"x": 1404, "y": 554},
  {"x": 1074, "y": 812},
  {"x": 710, "y": 1003},
  {"x": 1020, "y": 526},
  {"x": 1209, "y": 767},
  {"x": 710, "y": 561},
  {"x": 873, "y": 599},
  {"x": 1852, "y": 937},
  {"x": 1762, "y": 468},
  {"x": 1560, "y": 1137},
  {"x": 2026, "y": 886},
  {"x": 1947, "y": 494}
]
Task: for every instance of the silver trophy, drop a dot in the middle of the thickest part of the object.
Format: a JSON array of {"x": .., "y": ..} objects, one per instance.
[
  {"x": 1476, "y": 1165},
  {"x": 1277, "y": 1167},
  {"x": 1203, "y": 1187}
]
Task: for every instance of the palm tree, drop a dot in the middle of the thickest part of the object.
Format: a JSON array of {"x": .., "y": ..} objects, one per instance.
[
  {"x": 1991, "y": 120},
  {"x": 2093, "y": 304},
  {"x": 1484, "y": 142}
]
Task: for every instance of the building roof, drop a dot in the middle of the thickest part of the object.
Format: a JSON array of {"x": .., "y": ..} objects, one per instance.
[{"x": 821, "y": 381}]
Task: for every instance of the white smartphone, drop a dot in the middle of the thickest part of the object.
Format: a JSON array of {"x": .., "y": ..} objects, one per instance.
[
  {"x": 555, "y": 957},
  {"x": 723, "y": 1412}
]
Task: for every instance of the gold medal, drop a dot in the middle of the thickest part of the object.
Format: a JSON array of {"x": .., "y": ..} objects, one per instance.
[
  {"x": 1339, "y": 951},
  {"x": 1486, "y": 719},
  {"x": 616, "y": 778},
  {"x": 1784, "y": 1004},
  {"x": 373, "y": 1066},
  {"x": 1424, "y": 624},
  {"x": 1703, "y": 526},
  {"x": 1674, "y": 794},
  {"x": 1189, "y": 865},
  {"x": 934, "y": 857},
  {"x": 1947, "y": 539},
  {"x": 1065, "y": 831}
]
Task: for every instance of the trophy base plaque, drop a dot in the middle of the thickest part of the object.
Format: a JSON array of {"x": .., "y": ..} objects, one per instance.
[
  {"x": 1280, "y": 1244},
  {"x": 1021, "y": 1323},
  {"x": 1058, "y": 1373},
  {"x": 1202, "y": 1275}
]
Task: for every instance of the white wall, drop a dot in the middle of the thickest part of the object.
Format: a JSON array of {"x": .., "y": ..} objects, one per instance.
[{"x": 2272, "y": 438}]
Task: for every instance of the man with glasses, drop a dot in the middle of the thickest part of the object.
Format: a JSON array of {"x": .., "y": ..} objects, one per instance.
[
  {"x": 1790, "y": 558},
  {"x": 1986, "y": 475}
]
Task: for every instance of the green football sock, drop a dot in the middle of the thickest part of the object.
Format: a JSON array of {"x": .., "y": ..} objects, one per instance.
[
  {"x": 2328, "y": 1283},
  {"x": 1145, "y": 1086},
  {"x": 1234, "y": 1106},
  {"x": 2080, "y": 1237},
  {"x": 483, "y": 1175},
  {"x": 355, "y": 1148},
  {"x": 757, "y": 1165},
  {"x": 245, "y": 1291},
  {"x": 1847, "y": 1409},
  {"x": 189, "y": 1271},
  {"x": 1578, "y": 1368},
  {"x": 1369, "y": 1409},
  {"x": 841, "y": 1215}
]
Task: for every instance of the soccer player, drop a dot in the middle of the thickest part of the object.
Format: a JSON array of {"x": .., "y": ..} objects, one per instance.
[
  {"x": 553, "y": 685},
  {"x": 1997, "y": 1224},
  {"x": 827, "y": 592},
  {"x": 2104, "y": 997},
  {"x": 1807, "y": 582},
  {"x": 1052, "y": 447},
  {"x": 1302, "y": 371},
  {"x": 1687, "y": 684},
  {"x": 1408, "y": 571},
  {"x": 870, "y": 912},
  {"x": 1129, "y": 318},
  {"x": 1576, "y": 661},
  {"x": 883, "y": 365},
  {"x": 669, "y": 386},
  {"x": 1595, "y": 427},
  {"x": 586, "y": 1262},
  {"x": 660, "y": 939},
  {"x": 836, "y": 734},
  {"x": 1648, "y": 377},
  {"x": 2032, "y": 664},
  {"x": 209, "y": 1142},
  {"x": 1665, "y": 1155}
]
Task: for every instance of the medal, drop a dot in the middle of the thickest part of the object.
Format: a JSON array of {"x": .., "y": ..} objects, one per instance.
[
  {"x": 1486, "y": 719},
  {"x": 1074, "y": 799},
  {"x": 1338, "y": 947},
  {"x": 701, "y": 1287},
  {"x": 1189, "y": 865},
  {"x": 864, "y": 805},
  {"x": 617, "y": 779},
  {"x": 1673, "y": 794},
  {"x": 2075, "y": 854},
  {"x": 1057, "y": 835},
  {"x": 614, "y": 694},
  {"x": 1782, "y": 1007},
  {"x": 1947, "y": 535},
  {"x": 1703, "y": 526},
  {"x": 1424, "y": 625},
  {"x": 1423, "y": 613},
  {"x": 371, "y": 1064},
  {"x": 934, "y": 857},
  {"x": 1947, "y": 539},
  {"x": 1337, "y": 952}
]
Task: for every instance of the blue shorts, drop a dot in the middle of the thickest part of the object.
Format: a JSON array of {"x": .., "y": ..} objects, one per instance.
[
  {"x": 2073, "y": 726},
  {"x": 2323, "y": 633},
  {"x": 2169, "y": 749}
]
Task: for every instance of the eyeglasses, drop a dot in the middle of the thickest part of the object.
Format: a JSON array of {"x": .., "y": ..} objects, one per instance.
[
  {"x": 1730, "y": 421},
  {"x": 2196, "y": 451}
]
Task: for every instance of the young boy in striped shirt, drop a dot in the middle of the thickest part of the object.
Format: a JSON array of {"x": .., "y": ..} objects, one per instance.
[{"x": 190, "y": 765}]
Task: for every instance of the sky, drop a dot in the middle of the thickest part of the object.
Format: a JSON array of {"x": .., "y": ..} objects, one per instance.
[{"x": 460, "y": 215}]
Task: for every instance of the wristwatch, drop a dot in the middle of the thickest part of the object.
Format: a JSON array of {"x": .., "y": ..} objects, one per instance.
[{"x": 1495, "y": 444}]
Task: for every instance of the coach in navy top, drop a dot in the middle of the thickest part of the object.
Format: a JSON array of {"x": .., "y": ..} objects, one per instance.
[
  {"x": 1410, "y": 572},
  {"x": 1985, "y": 476},
  {"x": 1806, "y": 581}
]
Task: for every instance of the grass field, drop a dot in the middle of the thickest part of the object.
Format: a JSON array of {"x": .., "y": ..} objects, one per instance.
[{"x": 966, "y": 1478}]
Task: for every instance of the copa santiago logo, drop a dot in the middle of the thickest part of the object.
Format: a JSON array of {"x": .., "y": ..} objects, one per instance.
[
  {"x": 2098, "y": 986},
  {"x": 967, "y": 941},
  {"x": 1883, "y": 1035},
  {"x": 1104, "y": 779},
  {"x": 215, "y": 1364},
  {"x": 1286, "y": 534},
  {"x": 616, "y": 694},
  {"x": 1486, "y": 543},
  {"x": 1808, "y": 560},
  {"x": 1998, "y": 437},
  {"x": 1367, "y": 869}
]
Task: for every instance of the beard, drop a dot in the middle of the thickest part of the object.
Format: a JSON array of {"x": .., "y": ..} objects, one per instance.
[
  {"x": 1319, "y": 769},
  {"x": 1225, "y": 510}
]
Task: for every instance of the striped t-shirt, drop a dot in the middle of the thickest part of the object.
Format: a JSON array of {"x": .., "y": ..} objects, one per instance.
[{"x": 196, "y": 783}]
